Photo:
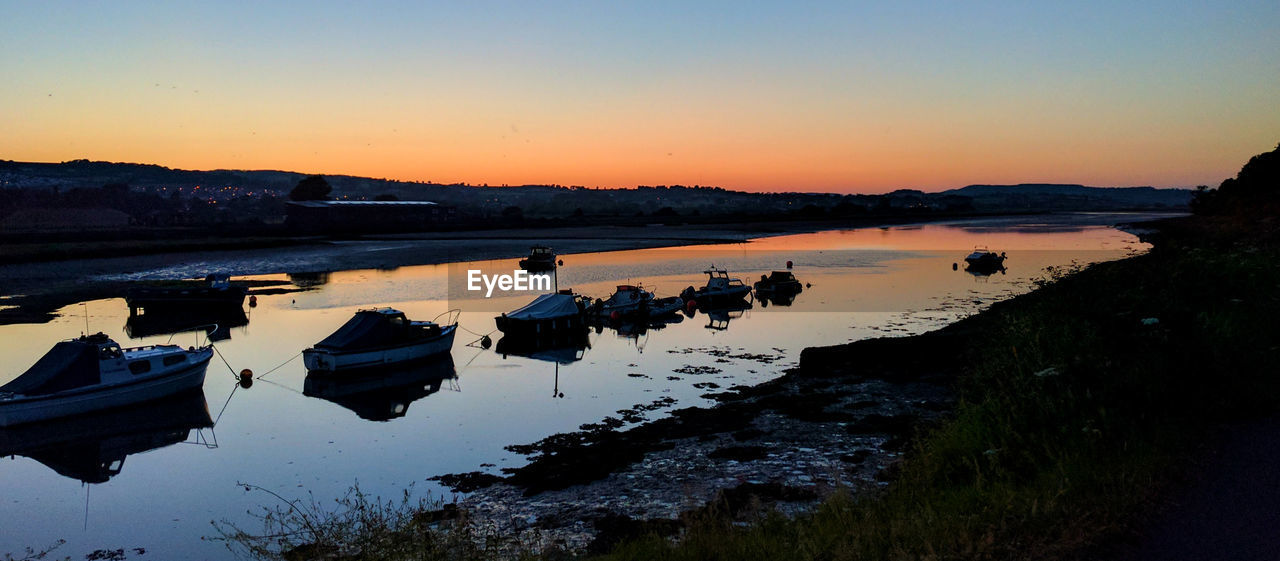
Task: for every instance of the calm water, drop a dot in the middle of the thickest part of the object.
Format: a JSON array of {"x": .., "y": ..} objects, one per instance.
[{"x": 177, "y": 474}]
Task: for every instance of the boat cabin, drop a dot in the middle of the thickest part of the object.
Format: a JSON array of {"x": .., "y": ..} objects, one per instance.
[
  {"x": 93, "y": 360},
  {"x": 719, "y": 278}
]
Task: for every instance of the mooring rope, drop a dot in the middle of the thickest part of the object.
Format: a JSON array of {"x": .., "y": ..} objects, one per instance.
[
  {"x": 474, "y": 333},
  {"x": 282, "y": 386},
  {"x": 281, "y": 365},
  {"x": 225, "y": 404},
  {"x": 224, "y": 361}
]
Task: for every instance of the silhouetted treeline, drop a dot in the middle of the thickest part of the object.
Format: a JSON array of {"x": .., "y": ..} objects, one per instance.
[
  {"x": 1255, "y": 191},
  {"x": 159, "y": 196}
]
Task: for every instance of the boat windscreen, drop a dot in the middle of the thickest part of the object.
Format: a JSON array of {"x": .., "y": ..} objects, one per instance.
[{"x": 68, "y": 365}]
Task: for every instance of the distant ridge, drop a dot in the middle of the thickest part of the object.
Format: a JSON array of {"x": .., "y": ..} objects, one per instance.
[
  {"x": 1074, "y": 196},
  {"x": 559, "y": 200}
]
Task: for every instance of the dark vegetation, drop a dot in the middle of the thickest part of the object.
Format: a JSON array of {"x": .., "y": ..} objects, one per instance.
[
  {"x": 54, "y": 202},
  {"x": 1077, "y": 407}
]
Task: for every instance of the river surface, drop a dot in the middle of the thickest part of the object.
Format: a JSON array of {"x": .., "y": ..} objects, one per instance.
[{"x": 155, "y": 477}]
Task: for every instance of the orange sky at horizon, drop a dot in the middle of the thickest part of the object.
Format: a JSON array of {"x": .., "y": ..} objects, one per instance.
[{"x": 832, "y": 98}]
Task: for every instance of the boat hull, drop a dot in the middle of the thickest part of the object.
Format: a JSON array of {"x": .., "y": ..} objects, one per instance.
[
  {"x": 33, "y": 409},
  {"x": 986, "y": 263},
  {"x": 179, "y": 298},
  {"x": 324, "y": 360},
  {"x": 534, "y": 265},
  {"x": 539, "y": 328},
  {"x": 709, "y": 299}
]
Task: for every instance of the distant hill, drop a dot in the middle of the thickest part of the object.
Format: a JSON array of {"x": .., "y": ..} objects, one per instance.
[
  {"x": 558, "y": 201},
  {"x": 1049, "y": 196}
]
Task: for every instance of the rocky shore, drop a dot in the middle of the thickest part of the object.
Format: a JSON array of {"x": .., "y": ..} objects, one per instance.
[{"x": 839, "y": 421}]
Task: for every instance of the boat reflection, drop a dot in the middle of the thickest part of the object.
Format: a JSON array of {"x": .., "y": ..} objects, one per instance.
[
  {"x": 566, "y": 348},
  {"x": 92, "y": 448},
  {"x": 563, "y": 350},
  {"x": 217, "y": 322},
  {"x": 982, "y": 273},
  {"x": 381, "y": 393},
  {"x": 635, "y": 327},
  {"x": 777, "y": 298},
  {"x": 718, "y": 318},
  {"x": 310, "y": 279}
]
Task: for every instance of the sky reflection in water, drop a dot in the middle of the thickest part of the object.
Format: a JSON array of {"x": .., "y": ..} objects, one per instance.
[{"x": 864, "y": 283}]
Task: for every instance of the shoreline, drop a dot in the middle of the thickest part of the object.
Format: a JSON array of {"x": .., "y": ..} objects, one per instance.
[
  {"x": 32, "y": 292},
  {"x": 877, "y": 419}
]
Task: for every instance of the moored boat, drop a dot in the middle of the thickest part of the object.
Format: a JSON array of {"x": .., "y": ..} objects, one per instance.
[
  {"x": 659, "y": 307},
  {"x": 720, "y": 289},
  {"x": 217, "y": 322},
  {"x": 217, "y": 291},
  {"x": 546, "y": 316},
  {"x": 779, "y": 282},
  {"x": 380, "y": 336},
  {"x": 92, "y": 373},
  {"x": 983, "y": 259},
  {"x": 541, "y": 258},
  {"x": 626, "y": 300}
]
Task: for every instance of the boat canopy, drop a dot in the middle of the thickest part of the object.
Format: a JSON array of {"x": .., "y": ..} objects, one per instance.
[
  {"x": 68, "y": 365},
  {"x": 547, "y": 306},
  {"x": 370, "y": 328}
]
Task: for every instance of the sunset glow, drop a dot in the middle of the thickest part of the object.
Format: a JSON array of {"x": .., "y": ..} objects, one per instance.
[{"x": 821, "y": 97}]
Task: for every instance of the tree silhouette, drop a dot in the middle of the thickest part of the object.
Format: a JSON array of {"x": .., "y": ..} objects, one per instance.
[
  {"x": 311, "y": 188},
  {"x": 1255, "y": 190}
]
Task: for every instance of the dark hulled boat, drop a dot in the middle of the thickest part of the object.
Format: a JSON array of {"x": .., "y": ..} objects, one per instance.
[
  {"x": 541, "y": 258},
  {"x": 547, "y": 315},
  {"x": 379, "y": 337},
  {"x": 217, "y": 291}
]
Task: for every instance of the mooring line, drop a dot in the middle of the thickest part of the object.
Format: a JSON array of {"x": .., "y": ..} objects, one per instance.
[{"x": 281, "y": 365}]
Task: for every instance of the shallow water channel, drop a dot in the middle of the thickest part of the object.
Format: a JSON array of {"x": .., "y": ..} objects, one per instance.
[{"x": 155, "y": 477}]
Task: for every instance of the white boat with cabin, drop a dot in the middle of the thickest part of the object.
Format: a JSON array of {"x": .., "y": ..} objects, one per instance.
[{"x": 92, "y": 373}]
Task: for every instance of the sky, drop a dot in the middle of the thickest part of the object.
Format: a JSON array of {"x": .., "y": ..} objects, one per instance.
[{"x": 850, "y": 96}]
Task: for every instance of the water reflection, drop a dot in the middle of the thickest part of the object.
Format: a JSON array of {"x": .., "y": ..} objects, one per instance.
[
  {"x": 309, "y": 279},
  {"x": 633, "y": 327},
  {"x": 718, "y": 318},
  {"x": 217, "y": 322},
  {"x": 859, "y": 283},
  {"x": 983, "y": 272},
  {"x": 381, "y": 393},
  {"x": 566, "y": 348},
  {"x": 92, "y": 448}
]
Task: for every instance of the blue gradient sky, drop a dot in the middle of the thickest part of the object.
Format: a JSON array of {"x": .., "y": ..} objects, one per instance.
[{"x": 759, "y": 96}]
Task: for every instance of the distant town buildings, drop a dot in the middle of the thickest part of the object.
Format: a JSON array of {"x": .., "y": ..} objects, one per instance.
[{"x": 366, "y": 216}]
